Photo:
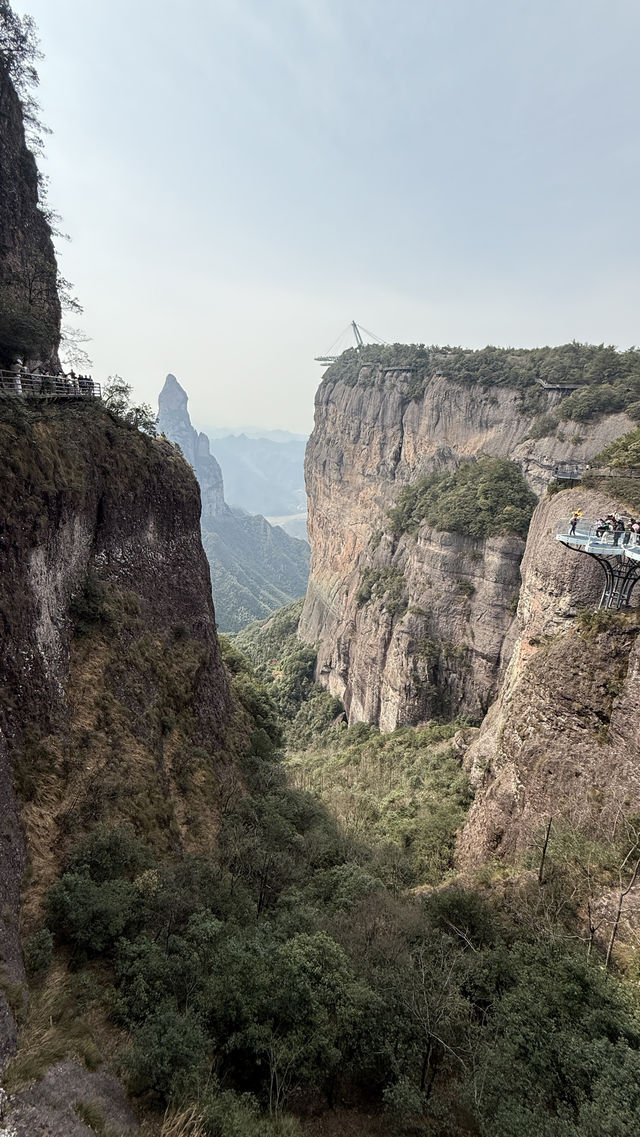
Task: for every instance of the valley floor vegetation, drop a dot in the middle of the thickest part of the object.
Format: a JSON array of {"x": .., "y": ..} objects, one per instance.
[{"x": 318, "y": 953}]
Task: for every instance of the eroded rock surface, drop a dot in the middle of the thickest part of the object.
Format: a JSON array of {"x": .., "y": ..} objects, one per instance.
[
  {"x": 29, "y": 305},
  {"x": 55, "y": 1106},
  {"x": 443, "y": 649},
  {"x": 563, "y": 738}
]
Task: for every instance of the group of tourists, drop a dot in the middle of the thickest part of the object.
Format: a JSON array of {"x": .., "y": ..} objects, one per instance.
[
  {"x": 618, "y": 527},
  {"x": 611, "y": 527},
  {"x": 41, "y": 380}
]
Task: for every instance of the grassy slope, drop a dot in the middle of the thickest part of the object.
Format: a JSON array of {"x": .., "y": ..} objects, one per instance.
[{"x": 404, "y": 793}]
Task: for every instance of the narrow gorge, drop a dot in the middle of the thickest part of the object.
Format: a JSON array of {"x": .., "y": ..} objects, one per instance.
[
  {"x": 256, "y": 567},
  {"x": 367, "y": 865}
]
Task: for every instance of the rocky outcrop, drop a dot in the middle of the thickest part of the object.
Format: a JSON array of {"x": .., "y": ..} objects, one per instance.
[
  {"x": 29, "y": 304},
  {"x": 561, "y": 740},
  {"x": 174, "y": 421},
  {"x": 101, "y": 571},
  {"x": 53, "y": 1107},
  {"x": 255, "y": 567},
  {"x": 442, "y": 648},
  {"x": 429, "y": 641}
]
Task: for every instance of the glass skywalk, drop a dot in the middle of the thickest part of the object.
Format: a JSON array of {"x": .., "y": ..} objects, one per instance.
[{"x": 617, "y": 553}]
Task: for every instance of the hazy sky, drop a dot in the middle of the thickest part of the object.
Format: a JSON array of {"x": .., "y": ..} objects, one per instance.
[{"x": 241, "y": 178}]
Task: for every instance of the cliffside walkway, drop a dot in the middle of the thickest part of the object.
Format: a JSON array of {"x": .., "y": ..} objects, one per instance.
[
  {"x": 31, "y": 386},
  {"x": 557, "y": 386},
  {"x": 619, "y": 560}
]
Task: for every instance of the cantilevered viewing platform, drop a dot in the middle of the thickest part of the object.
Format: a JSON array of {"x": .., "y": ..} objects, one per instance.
[
  {"x": 34, "y": 385},
  {"x": 617, "y": 553}
]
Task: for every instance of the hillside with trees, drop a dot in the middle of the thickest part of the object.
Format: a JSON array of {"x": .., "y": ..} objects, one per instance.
[
  {"x": 224, "y": 912},
  {"x": 607, "y": 379}
]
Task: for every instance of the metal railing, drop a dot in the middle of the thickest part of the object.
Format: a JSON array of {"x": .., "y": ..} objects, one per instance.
[
  {"x": 600, "y": 538},
  {"x": 616, "y": 551},
  {"x": 570, "y": 471},
  {"x": 557, "y": 386},
  {"x": 34, "y": 386}
]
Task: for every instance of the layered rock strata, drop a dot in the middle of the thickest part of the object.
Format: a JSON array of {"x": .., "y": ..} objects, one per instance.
[
  {"x": 428, "y": 645},
  {"x": 442, "y": 648}
]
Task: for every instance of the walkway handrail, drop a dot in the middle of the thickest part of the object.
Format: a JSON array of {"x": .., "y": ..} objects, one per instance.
[
  {"x": 589, "y": 532},
  {"x": 617, "y": 551},
  {"x": 570, "y": 471},
  {"x": 558, "y": 386},
  {"x": 33, "y": 385}
]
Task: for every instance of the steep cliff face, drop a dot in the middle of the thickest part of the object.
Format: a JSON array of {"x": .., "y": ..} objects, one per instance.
[
  {"x": 29, "y": 304},
  {"x": 109, "y": 657},
  {"x": 562, "y": 738},
  {"x": 441, "y": 649},
  {"x": 255, "y": 567},
  {"x": 429, "y": 641}
]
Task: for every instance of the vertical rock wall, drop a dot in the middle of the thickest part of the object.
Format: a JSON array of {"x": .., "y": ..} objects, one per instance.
[
  {"x": 29, "y": 303},
  {"x": 174, "y": 421},
  {"x": 89, "y": 502},
  {"x": 562, "y": 739},
  {"x": 442, "y": 648}
]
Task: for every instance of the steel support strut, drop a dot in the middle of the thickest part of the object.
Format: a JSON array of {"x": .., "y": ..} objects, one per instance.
[{"x": 619, "y": 579}]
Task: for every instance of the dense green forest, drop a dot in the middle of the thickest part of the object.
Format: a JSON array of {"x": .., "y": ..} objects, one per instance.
[
  {"x": 609, "y": 380},
  {"x": 255, "y": 567},
  {"x": 324, "y": 957},
  {"x": 500, "y": 972},
  {"x": 623, "y": 453},
  {"x": 486, "y": 498}
]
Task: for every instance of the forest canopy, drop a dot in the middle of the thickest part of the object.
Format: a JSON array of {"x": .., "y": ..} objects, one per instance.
[
  {"x": 487, "y": 498},
  {"x": 608, "y": 379}
]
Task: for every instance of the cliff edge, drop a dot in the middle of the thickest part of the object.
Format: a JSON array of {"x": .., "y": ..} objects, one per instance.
[
  {"x": 111, "y": 675},
  {"x": 561, "y": 740},
  {"x": 411, "y": 627}
]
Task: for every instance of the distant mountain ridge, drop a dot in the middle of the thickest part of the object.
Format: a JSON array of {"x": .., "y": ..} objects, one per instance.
[
  {"x": 262, "y": 475},
  {"x": 255, "y": 567},
  {"x": 255, "y": 432}
]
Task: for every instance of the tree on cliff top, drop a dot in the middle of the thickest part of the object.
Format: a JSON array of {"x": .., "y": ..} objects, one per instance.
[
  {"x": 117, "y": 400},
  {"x": 32, "y": 289},
  {"x": 19, "y": 53},
  {"x": 19, "y": 47}
]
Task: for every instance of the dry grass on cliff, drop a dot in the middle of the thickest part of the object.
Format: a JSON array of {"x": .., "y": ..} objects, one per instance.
[
  {"x": 183, "y": 1123},
  {"x": 59, "y": 1023},
  {"x": 591, "y": 623}
]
